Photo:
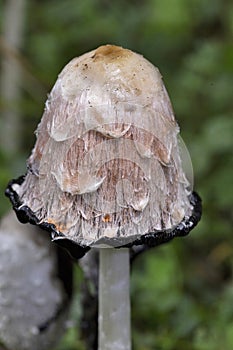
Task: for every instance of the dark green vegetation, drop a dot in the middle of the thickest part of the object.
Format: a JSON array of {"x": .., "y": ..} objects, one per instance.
[{"x": 182, "y": 293}]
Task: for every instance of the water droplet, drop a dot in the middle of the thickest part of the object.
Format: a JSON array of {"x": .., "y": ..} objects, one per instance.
[
  {"x": 88, "y": 184},
  {"x": 140, "y": 204}
]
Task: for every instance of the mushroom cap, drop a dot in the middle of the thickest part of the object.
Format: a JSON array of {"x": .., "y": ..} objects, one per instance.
[{"x": 106, "y": 167}]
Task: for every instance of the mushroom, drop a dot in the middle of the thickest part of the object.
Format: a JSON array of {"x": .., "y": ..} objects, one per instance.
[
  {"x": 106, "y": 172},
  {"x": 34, "y": 298}
]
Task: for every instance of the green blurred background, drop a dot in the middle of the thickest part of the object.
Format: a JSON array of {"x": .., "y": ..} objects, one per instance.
[{"x": 182, "y": 293}]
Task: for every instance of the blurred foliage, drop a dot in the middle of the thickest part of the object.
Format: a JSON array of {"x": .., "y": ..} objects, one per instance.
[{"x": 182, "y": 293}]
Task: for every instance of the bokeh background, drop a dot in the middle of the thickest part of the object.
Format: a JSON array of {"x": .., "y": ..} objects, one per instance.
[{"x": 182, "y": 292}]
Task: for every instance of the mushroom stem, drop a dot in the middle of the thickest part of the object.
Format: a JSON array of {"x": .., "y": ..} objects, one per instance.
[{"x": 114, "y": 299}]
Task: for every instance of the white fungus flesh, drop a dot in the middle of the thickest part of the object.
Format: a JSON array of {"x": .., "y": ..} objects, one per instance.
[{"x": 106, "y": 165}]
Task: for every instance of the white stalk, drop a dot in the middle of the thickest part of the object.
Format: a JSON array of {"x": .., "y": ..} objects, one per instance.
[{"x": 114, "y": 299}]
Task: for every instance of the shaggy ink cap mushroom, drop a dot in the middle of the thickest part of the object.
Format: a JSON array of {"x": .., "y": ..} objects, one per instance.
[
  {"x": 35, "y": 287},
  {"x": 106, "y": 169}
]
